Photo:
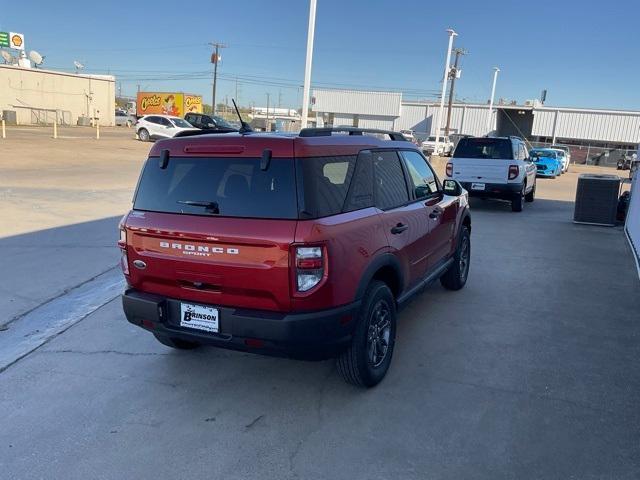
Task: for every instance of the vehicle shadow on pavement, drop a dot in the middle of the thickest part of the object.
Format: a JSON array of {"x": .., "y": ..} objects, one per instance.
[{"x": 41, "y": 265}]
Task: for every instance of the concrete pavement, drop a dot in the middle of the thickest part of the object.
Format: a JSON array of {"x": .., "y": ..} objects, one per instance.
[{"x": 531, "y": 371}]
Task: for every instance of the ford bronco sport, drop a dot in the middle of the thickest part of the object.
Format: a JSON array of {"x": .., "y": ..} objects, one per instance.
[{"x": 297, "y": 245}]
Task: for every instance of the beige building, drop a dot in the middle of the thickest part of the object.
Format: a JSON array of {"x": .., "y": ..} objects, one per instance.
[{"x": 40, "y": 96}]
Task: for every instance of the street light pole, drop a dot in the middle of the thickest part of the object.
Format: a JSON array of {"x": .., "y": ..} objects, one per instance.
[
  {"x": 307, "y": 67},
  {"x": 493, "y": 92},
  {"x": 445, "y": 77}
]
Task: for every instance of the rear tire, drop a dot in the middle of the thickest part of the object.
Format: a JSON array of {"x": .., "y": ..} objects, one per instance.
[
  {"x": 143, "y": 135},
  {"x": 518, "y": 200},
  {"x": 366, "y": 361},
  {"x": 531, "y": 196},
  {"x": 176, "y": 343},
  {"x": 456, "y": 276}
]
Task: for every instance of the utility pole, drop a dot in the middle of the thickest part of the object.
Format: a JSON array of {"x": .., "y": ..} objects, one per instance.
[
  {"x": 453, "y": 74},
  {"x": 215, "y": 59},
  {"x": 452, "y": 33},
  {"x": 309, "y": 61},
  {"x": 237, "y": 98},
  {"x": 279, "y": 98},
  {"x": 267, "y": 127}
]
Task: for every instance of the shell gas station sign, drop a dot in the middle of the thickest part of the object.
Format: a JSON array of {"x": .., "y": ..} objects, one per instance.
[{"x": 12, "y": 40}]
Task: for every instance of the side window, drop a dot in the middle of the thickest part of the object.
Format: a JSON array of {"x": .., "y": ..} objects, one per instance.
[
  {"x": 189, "y": 117},
  {"x": 325, "y": 184},
  {"x": 523, "y": 151},
  {"x": 423, "y": 179},
  {"x": 152, "y": 119},
  {"x": 390, "y": 185},
  {"x": 165, "y": 122},
  {"x": 360, "y": 193}
]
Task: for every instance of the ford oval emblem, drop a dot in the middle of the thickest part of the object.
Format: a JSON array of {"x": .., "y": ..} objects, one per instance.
[{"x": 139, "y": 264}]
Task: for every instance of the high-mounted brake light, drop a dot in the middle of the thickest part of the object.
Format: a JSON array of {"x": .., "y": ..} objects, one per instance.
[
  {"x": 309, "y": 267},
  {"x": 449, "y": 170},
  {"x": 514, "y": 170}
]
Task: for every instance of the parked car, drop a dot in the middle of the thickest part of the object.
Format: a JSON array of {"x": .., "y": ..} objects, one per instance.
[
  {"x": 123, "y": 119},
  {"x": 445, "y": 146},
  {"x": 495, "y": 167},
  {"x": 154, "y": 127},
  {"x": 409, "y": 135},
  {"x": 204, "y": 121},
  {"x": 548, "y": 163},
  {"x": 301, "y": 246},
  {"x": 624, "y": 162},
  {"x": 567, "y": 152},
  {"x": 562, "y": 158}
]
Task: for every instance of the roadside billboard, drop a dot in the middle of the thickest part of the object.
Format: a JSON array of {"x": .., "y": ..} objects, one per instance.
[{"x": 167, "y": 103}]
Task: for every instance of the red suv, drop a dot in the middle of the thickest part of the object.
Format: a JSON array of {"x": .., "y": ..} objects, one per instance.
[{"x": 299, "y": 245}]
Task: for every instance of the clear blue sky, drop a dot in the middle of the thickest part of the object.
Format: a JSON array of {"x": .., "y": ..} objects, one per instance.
[{"x": 585, "y": 53}]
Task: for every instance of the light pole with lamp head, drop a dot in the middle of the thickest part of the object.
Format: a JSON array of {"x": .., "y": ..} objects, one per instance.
[{"x": 493, "y": 92}]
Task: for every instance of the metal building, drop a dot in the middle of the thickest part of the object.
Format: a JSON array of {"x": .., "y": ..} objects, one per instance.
[
  {"x": 356, "y": 108},
  {"x": 593, "y": 134},
  {"x": 39, "y": 96}
]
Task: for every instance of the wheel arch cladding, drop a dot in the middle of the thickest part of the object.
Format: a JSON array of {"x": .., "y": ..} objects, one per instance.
[{"x": 385, "y": 268}]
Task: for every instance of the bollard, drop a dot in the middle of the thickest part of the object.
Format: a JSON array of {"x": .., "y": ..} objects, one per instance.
[
  {"x": 97, "y": 131},
  {"x": 4, "y": 131},
  {"x": 55, "y": 129}
]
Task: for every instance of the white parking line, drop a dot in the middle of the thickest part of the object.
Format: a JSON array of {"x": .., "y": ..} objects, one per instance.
[{"x": 29, "y": 332}]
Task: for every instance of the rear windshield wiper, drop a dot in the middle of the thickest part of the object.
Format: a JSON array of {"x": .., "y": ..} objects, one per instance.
[{"x": 209, "y": 206}]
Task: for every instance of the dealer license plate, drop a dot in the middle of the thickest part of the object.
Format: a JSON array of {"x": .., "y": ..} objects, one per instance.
[
  {"x": 477, "y": 186},
  {"x": 199, "y": 317}
]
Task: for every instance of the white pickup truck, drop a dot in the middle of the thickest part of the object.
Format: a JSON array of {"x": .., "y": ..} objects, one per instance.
[{"x": 496, "y": 167}]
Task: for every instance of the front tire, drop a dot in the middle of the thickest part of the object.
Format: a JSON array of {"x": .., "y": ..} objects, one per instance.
[
  {"x": 143, "y": 135},
  {"x": 176, "y": 343},
  {"x": 456, "y": 276},
  {"x": 366, "y": 361}
]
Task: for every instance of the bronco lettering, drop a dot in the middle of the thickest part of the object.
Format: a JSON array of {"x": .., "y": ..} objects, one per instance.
[{"x": 190, "y": 249}]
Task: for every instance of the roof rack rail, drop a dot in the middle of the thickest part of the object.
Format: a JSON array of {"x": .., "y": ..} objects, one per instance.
[{"x": 328, "y": 131}]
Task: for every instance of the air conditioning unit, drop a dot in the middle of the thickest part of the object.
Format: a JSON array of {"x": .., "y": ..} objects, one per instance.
[{"x": 597, "y": 199}]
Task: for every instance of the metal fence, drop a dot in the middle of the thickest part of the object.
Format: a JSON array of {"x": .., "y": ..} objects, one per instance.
[{"x": 605, "y": 156}]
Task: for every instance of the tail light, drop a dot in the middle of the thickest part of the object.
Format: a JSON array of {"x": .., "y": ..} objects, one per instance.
[
  {"x": 122, "y": 243},
  {"x": 514, "y": 171},
  {"x": 449, "y": 169},
  {"x": 309, "y": 267}
]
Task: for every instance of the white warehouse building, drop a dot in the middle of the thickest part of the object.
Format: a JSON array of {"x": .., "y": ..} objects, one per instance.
[{"x": 590, "y": 132}]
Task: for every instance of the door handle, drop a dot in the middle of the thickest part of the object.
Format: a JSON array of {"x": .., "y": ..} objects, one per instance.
[
  {"x": 436, "y": 213},
  {"x": 399, "y": 228}
]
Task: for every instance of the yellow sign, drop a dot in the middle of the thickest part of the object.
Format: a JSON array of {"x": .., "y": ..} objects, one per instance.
[{"x": 192, "y": 104}]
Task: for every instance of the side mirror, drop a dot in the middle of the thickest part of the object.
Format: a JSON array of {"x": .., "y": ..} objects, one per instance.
[{"x": 452, "y": 187}]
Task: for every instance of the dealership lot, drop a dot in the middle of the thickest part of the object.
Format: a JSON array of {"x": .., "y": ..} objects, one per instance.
[{"x": 531, "y": 371}]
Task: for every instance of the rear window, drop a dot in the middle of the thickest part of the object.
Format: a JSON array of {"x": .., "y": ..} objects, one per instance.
[
  {"x": 233, "y": 187},
  {"x": 485, "y": 148}
]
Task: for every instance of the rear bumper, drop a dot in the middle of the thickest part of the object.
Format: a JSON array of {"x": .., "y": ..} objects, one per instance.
[
  {"x": 494, "y": 190},
  {"x": 313, "y": 335}
]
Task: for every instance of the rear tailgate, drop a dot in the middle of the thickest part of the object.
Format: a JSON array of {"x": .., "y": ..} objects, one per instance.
[
  {"x": 218, "y": 261},
  {"x": 480, "y": 170}
]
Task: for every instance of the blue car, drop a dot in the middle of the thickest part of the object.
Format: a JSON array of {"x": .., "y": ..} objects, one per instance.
[{"x": 547, "y": 162}]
